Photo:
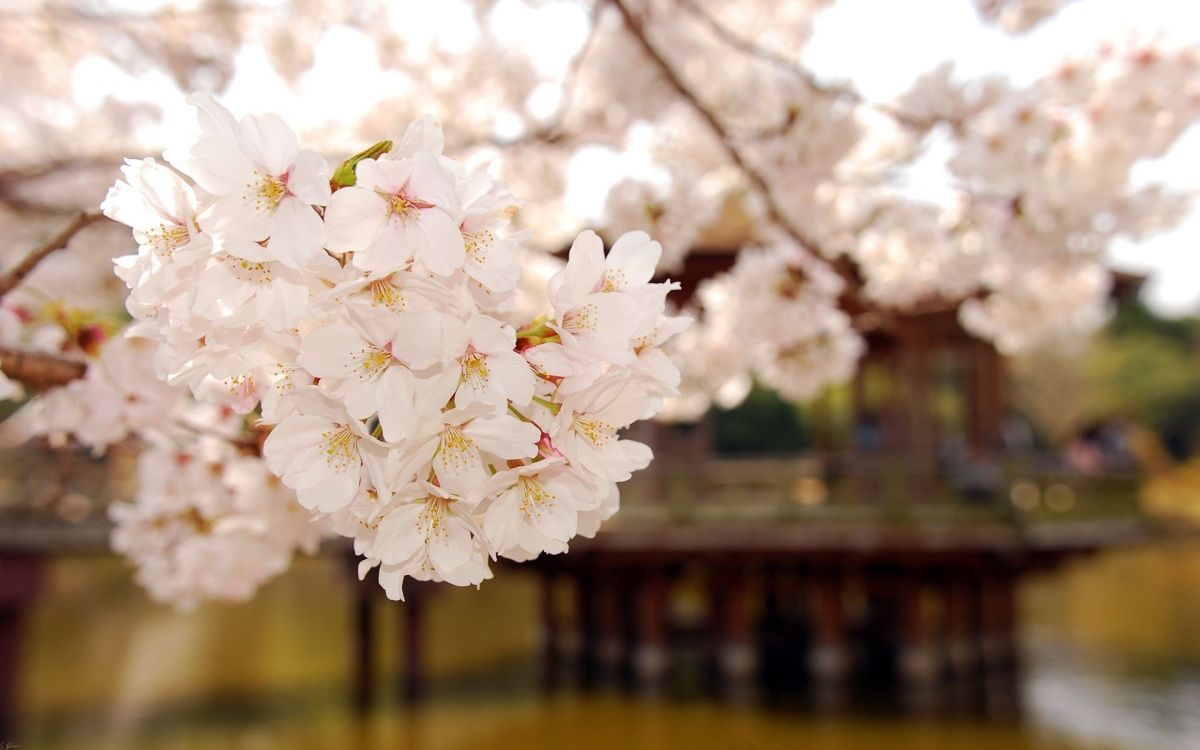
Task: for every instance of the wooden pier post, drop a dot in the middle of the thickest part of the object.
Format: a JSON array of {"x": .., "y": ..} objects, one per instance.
[
  {"x": 918, "y": 659},
  {"x": 737, "y": 657},
  {"x": 962, "y": 626},
  {"x": 362, "y": 681},
  {"x": 829, "y": 657},
  {"x": 610, "y": 624},
  {"x": 651, "y": 659},
  {"x": 20, "y": 579},
  {"x": 412, "y": 668},
  {"x": 998, "y": 614}
]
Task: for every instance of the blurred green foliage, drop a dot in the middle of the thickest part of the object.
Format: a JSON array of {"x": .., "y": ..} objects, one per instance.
[
  {"x": 1141, "y": 368},
  {"x": 1147, "y": 369},
  {"x": 762, "y": 424}
]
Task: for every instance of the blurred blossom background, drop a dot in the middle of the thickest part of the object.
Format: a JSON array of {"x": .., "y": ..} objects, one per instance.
[{"x": 932, "y": 476}]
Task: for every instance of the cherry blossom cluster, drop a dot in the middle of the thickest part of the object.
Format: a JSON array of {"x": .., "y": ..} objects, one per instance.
[
  {"x": 775, "y": 316},
  {"x": 209, "y": 522},
  {"x": 420, "y": 398}
]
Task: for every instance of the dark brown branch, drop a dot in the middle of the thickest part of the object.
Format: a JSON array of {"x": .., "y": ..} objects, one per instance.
[
  {"x": 40, "y": 370},
  {"x": 757, "y": 179},
  {"x": 14, "y": 277}
]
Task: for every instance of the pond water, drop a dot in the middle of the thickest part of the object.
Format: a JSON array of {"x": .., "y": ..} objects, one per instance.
[{"x": 1111, "y": 661}]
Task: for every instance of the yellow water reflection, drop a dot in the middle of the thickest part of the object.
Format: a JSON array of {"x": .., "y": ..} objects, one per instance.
[{"x": 105, "y": 668}]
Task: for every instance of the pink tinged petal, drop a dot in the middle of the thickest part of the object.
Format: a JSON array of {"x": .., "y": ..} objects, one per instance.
[
  {"x": 308, "y": 178},
  {"x": 430, "y": 182},
  {"x": 557, "y": 518},
  {"x": 290, "y": 436},
  {"x": 512, "y": 374},
  {"x": 334, "y": 493},
  {"x": 284, "y": 305},
  {"x": 383, "y": 176},
  {"x": 453, "y": 547},
  {"x": 441, "y": 246},
  {"x": 422, "y": 136},
  {"x": 390, "y": 250},
  {"x": 582, "y": 275},
  {"x": 434, "y": 390},
  {"x": 581, "y": 452},
  {"x": 415, "y": 462},
  {"x": 399, "y": 537},
  {"x": 357, "y": 396},
  {"x": 553, "y": 359},
  {"x": 504, "y": 435},
  {"x": 237, "y": 216},
  {"x": 502, "y": 520},
  {"x": 268, "y": 142},
  {"x": 637, "y": 455},
  {"x": 458, "y": 464},
  {"x": 240, "y": 248},
  {"x": 392, "y": 581},
  {"x": 631, "y": 261},
  {"x": 489, "y": 335},
  {"x": 329, "y": 351},
  {"x": 394, "y": 395},
  {"x": 609, "y": 316},
  {"x": 211, "y": 116},
  {"x": 216, "y": 164},
  {"x": 492, "y": 265},
  {"x": 297, "y": 233},
  {"x": 425, "y": 338},
  {"x": 658, "y": 366},
  {"x": 353, "y": 218}
]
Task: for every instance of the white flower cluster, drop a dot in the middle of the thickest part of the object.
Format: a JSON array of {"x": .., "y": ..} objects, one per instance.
[
  {"x": 775, "y": 314},
  {"x": 208, "y": 523},
  {"x": 364, "y": 313}
]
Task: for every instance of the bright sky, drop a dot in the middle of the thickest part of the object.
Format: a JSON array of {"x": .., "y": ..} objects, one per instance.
[{"x": 881, "y": 46}]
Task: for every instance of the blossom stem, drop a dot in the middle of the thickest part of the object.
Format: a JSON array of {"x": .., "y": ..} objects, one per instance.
[
  {"x": 516, "y": 413},
  {"x": 553, "y": 407}
]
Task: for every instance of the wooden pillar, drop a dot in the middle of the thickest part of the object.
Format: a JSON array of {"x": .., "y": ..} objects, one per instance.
[
  {"x": 998, "y": 615},
  {"x": 651, "y": 658},
  {"x": 610, "y": 623},
  {"x": 549, "y": 628},
  {"x": 737, "y": 658},
  {"x": 362, "y": 674},
  {"x": 829, "y": 658},
  {"x": 986, "y": 399},
  {"x": 917, "y": 654},
  {"x": 920, "y": 440},
  {"x": 962, "y": 625},
  {"x": 578, "y": 645},
  {"x": 412, "y": 668},
  {"x": 20, "y": 579}
]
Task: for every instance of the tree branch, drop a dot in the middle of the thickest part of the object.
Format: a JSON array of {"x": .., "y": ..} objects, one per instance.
[
  {"x": 40, "y": 369},
  {"x": 795, "y": 69},
  {"x": 17, "y": 274},
  {"x": 757, "y": 179}
]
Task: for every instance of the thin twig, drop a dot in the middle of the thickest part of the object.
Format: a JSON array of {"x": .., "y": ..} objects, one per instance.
[
  {"x": 14, "y": 277},
  {"x": 757, "y": 179},
  {"x": 795, "y": 69},
  {"x": 40, "y": 369}
]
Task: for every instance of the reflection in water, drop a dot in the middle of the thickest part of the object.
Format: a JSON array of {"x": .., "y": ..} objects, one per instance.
[
  {"x": 1112, "y": 661},
  {"x": 1079, "y": 696}
]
